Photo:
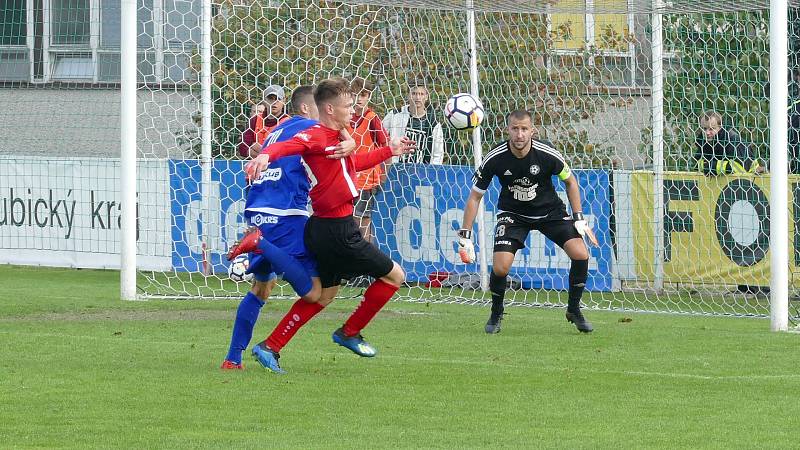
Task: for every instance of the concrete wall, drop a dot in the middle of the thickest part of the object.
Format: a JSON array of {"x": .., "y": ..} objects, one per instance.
[
  {"x": 86, "y": 122},
  {"x": 619, "y": 126}
]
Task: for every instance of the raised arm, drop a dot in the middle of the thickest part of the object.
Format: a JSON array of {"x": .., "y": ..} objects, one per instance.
[
  {"x": 396, "y": 147},
  {"x": 278, "y": 150},
  {"x": 345, "y": 147},
  {"x": 294, "y": 146},
  {"x": 364, "y": 161}
]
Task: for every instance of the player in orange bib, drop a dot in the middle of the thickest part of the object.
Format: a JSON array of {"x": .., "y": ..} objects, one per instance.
[{"x": 367, "y": 130}]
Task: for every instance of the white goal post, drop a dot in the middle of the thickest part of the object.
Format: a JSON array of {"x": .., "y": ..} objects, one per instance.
[{"x": 778, "y": 142}]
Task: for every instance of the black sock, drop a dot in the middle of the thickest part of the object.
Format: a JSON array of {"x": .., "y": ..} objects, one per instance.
[
  {"x": 497, "y": 285},
  {"x": 578, "y": 272}
]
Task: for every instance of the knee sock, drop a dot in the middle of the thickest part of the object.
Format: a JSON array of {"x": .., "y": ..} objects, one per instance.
[
  {"x": 299, "y": 314},
  {"x": 578, "y": 272},
  {"x": 375, "y": 297},
  {"x": 246, "y": 316},
  {"x": 289, "y": 266},
  {"x": 497, "y": 286}
]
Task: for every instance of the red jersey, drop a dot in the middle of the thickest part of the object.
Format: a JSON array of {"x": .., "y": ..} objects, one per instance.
[{"x": 333, "y": 179}]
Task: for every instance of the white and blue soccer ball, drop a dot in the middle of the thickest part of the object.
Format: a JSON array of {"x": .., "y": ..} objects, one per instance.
[
  {"x": 463, "y": 111},
  {"x": 237, "y": 271}
]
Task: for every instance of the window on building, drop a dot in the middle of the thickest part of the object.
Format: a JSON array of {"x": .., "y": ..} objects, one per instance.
[
  {"x": 14, "y": 60},
  {"x": 605, "y": 34},
  {"x": 70, "y": 24},
  {"x": 13, "y": 27},
  {"x": 79, "y": 40}
]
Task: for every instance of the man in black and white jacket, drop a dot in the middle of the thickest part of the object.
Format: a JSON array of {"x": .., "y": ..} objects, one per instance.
[{"x": 418, "y": 122}]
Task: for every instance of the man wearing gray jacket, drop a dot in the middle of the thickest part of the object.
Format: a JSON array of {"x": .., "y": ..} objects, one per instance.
[{"x": 418, "y": 122}]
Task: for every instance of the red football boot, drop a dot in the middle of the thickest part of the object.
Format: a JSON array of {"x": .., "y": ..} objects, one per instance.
[
  {"x": 248, "y": 243},
  {"x": 227, "y": 365}
]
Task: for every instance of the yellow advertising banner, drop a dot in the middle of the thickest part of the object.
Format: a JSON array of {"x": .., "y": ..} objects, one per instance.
[{"x": 716, "y": 229}]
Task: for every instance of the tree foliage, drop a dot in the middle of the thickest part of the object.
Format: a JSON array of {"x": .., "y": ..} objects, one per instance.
[
  {"x": 716, "y": 62},
  {"x": 294, "y": 42}
]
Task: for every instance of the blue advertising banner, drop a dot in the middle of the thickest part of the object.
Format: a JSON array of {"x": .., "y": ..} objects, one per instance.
[
  {"x": 416, "y": 217},
  {"x": 225, "y": 208},
  {"x": 420, "y": 208}
]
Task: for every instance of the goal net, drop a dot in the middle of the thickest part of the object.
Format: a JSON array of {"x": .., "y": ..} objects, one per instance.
[{"x": 626, "y": 101}]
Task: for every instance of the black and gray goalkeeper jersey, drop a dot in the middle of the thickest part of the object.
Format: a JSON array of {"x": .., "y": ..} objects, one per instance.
[{"x": 526, "y": 186}]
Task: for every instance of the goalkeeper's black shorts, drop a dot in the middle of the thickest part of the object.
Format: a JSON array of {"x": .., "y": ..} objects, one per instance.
[
  {"x": 512, "y": 230},
  {"x": 341, "y": 251}
]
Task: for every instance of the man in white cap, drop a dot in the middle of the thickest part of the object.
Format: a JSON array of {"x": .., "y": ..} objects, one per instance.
[
  {"x": 261, "y": 125},
  {"x": 275, "y": 98}
]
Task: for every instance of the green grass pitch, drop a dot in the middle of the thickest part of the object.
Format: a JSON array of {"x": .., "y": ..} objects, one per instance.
[{"x": 82, "y": 369}]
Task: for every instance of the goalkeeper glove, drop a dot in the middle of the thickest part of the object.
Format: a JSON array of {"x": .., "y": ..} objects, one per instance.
[
  {"x": 466, "y": 250},
  {"x": 583, "y": 228}
]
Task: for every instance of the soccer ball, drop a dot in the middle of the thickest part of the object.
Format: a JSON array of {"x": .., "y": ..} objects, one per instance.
[
  {"x": 237, "y": 271},
  {"x": 463, "y": 111}
]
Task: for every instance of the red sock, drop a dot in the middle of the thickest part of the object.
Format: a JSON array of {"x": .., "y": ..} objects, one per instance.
[
  {"x": 300, "y": 313},
  {"x": 375, "y": 297}
]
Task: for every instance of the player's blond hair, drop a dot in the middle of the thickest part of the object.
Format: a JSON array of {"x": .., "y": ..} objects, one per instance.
[{"x": 330, "y": 89}]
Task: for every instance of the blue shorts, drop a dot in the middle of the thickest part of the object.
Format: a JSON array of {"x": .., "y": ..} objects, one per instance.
[{"x": 286, "y": 233}]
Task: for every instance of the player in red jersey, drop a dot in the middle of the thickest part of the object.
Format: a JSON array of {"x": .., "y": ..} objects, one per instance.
[{"x": 331, "y": 233}]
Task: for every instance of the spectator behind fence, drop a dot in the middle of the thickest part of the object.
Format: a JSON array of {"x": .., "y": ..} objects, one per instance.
[
  {"x": 721, "y": 151},
  {"x": 367, "y": 130},
  {"x": 417, "y": 120},
  {"x": 260, "y": 125},
  {"x": 257, "y": 109},
  {"x": 794, "y": 122},
  {"x": 794, "y": 135}
]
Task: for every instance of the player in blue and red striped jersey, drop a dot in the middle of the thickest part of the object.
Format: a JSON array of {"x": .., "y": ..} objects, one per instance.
[
  {"x": 277, "y": 203},
  {"x": 331, "y": 233}
]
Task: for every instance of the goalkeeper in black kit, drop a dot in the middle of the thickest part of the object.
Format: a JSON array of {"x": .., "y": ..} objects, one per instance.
[{"x": 528, "y": 201}]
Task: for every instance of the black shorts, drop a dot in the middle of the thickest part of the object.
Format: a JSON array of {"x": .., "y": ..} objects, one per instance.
[
  {"x": 512, "y": 230},
  {"x": 342, "y": 252}
]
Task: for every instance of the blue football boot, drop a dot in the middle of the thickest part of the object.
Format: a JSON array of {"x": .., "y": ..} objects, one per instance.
[
  {"x": 267, "y": 358},
  {"x": 355, "y": 344}
]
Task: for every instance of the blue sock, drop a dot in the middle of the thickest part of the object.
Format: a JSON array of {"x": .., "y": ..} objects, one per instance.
[
  {"x": 289, "y": 266},
  {"x": 246, "y": 317}
]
